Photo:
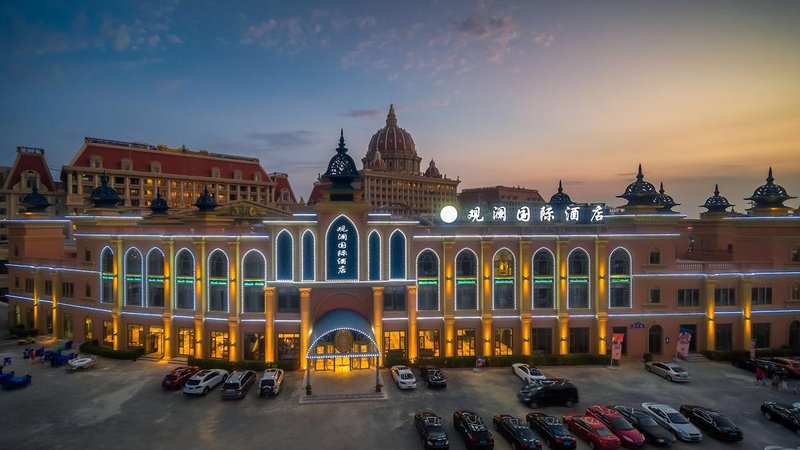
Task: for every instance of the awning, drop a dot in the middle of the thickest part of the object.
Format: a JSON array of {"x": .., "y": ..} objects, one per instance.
[{"x": 341, "y": 319}]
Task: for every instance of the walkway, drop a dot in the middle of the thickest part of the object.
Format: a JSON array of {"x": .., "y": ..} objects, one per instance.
[{"x": 353, "y": 386}]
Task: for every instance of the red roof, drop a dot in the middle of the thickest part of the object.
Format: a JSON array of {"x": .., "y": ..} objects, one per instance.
[
  {"x": 281, "y": 183},
  {"x": 30, "y": 159}
]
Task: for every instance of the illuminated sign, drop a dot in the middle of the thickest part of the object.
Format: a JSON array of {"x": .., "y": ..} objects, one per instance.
[
  {"x": 424, "y": 281},
  {"x": 155, "y": 279},
  {"x": 466, "y": 281},
  {"x": 449, "y": 214},
  {"x": 218, "y": 282},
  {"x": 133, "y": 278},
  {"x": 249, "y": 283},
  {"x": 107, "y": 276},
  {"x": 342, "y": 251},
  {"x": 543, "y": 280},
  {"x": 504, "y": 281},
  {"x": 184, "y": 280},
  {"x": 620, "y": 279},
  {"x": 526, "y": 214},
  {"x": 578, "y": 279}
]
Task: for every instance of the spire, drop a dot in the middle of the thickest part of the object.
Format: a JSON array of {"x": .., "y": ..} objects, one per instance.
[
  {"x": 342, "y": 148},
  {"x": 770, "y": 179},
  {"x": 159, "y": 205},
  {"x": 640, "y": 175},
  {"x": 661, "y": 190},
  {"x": 560, "y": 189},
  {"x": 391, "y": 118},
  {"x": 716, "y": 189}
]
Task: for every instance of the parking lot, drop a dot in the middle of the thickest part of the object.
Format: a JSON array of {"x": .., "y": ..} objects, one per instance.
[{"x": 120, "y": 404}]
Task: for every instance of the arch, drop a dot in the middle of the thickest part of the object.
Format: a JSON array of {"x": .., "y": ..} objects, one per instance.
[
  {"x": 254, "y": 279},
  {"x": 543, "y": 271},
  {"x": 308, "y": 255},
  {"x": 654, "y": 256},
  {"x": 794, "y": 334},
  {"x": 133, "y": 270},
  {"x": 397, "y": 255},
  {"x": 184, "y": 279},
  {"x": 341, "y": 250},
  {"x": 218, "y": 268},
  {"x": 579, "y": 281},
  {"x": 466, "y": 279},
  {"x": 374, "y": 255},
  {"x": 107, "y": 275},
  {"x": 284, "y": 255},
  {"x": 427, "y": 280},
  {"x": 155, "y": 277},
  {"x": 619, "y": 269},
  {"x": 336, "y": 320},
  {"x": 504, "y": 279},
  {"x": 655, "y": 336}
]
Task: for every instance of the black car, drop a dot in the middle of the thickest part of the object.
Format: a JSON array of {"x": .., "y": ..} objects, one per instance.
[
  {"x": 472, "y": 428},
  {"x": 559, "y": 392},
  {"x": 552, "y": 430},
  {"x": 713, "y": 422},
  {"x": 430, "y": 429},
  {"x": 769, "y": 367},
  {"x": 786, "y": 415},
  {"x": 653, "y": 433},
  {"x": 516, "y": 432},
  {"x": 432, "y": 376}
]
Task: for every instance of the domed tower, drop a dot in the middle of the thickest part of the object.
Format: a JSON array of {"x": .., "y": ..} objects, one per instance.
[
  {"x": 104, "y": 196},
  {"x": 395, "y": 147},
  {"x": 641, "y": 195},
  {"x": 716, "y": 205},
  {"x": 665, "y": 202},
  {"x": 768, "y": 199},
  {"x": 35, "y": 202}
]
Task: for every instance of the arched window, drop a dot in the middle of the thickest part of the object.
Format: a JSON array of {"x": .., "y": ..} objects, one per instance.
[
  {"x": 466, "y": 280},
  {"x": 106, "y": 275},
  {"x": 397, "y": 255},
  {"x": 374, "y": 256},
  {"x": 795, "y": 294},
  {"x": 155, "y": 278},
  {"x": 133, "y": 277},
  {"x": 184, "y": 279},
  {"x": 655, "y": 256},
  {"x": 504, "y": 282},
  {"x": 427, "y": 281},
  {"x": 619, "y": 291},
  {"x": 794, "y": 335},
  {"x": 654, "y": 339},
  {"x": 341, "y": 250},
  {"x": 543, "y": 279},
  {"x": 218, "y": 281},
  {"x": 308, "y": 255},
  {"x": 284, "y": 256},
  {"x": 254, "y": 273},
  {"x": 579, "y": 283}
]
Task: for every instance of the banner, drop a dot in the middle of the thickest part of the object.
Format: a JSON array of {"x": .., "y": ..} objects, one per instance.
[
  {"x": 616, "y": 345},
  {"x": 684, "y": 338}
]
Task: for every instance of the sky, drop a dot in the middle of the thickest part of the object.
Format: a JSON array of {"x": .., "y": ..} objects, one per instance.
[{"x": 515, "y": 93}]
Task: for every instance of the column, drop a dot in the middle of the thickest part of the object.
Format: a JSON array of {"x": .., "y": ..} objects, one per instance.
[
  {"x": 200, "y": 300},
  {"x": 199, "y": 338},
  {"x": 170, "y": 342},
  {"x": 234, "y": 351},
  {"x": 708, "y": 298},
  {"x": 746, "y": 293},
  {"x": 563, "y": 333},
  {"x": 448, "y": 300},
  {"x": 411, "y": 306},
  {"x": 600, "y": 282},
  {"x": 449, "y": 336},
  {"x": 561, "y": 299},
  {"x": 38, "y": 292},
  {"x": 377, "y": 319},
  {"x": 118, "y": 293},
  {"x": 486, "y": 296},
  {"x": 524, "y": 278},
  {"x": 168, "y": 335},
  {"x": 305, "y": 324},
  {"x": 56, "y": 310},
  {"x": 233, "y": 339},
  {"x": 269, "y": 325}
]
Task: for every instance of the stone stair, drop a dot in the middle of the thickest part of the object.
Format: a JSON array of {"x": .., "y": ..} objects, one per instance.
[{"x": 695, "y": 357}]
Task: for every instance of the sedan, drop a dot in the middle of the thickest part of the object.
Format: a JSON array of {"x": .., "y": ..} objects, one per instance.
[
  {"x": 403, "y": 377},
  {"x": 668, "y": 370},
  {"x": 177, "y": 377},
  {"x": 527, "y": 373},
  {"x": 551, "y": 430},
  {"x": 471, "y": 427},
  {"x": 786, "y": 415},
  {"x": 628, "y": 436},
  {"x": 430, "y": 429},
  {"x": 674, "y": 421},
  {"x": 433, "y": 377},
  {"x": 516, "y": 432},
  {"x": 653, "y": 433},
  {"x": 769, "y": 367},
  {"x": 592, "y": 431},
  {"x": 791, "y": 365},
  {"x": 205, "y": 380},
  {"x": 713, "y": 422}
]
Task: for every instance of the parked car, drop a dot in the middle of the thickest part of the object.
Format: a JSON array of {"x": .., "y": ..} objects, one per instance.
[
  {"x": 472, "y": 429},
  {"x": 674, "y": 421},
  {"x": 557, "y": 393},
  {"x": 784, "y": 414},
  {"x": 527, "y": 373},
  {"x": 552, "y": 430},
  {"x": 592, "y": 431},
  {"x": 403, "y": 377},
  {"x": 177, "y": 377},
  {"x": 712, "y": 421},
  {"x": 237, "y": 385},
  {"x": 628, "y": 436},
  {"x": 432, "y": 376},
  {"x": 271, "y": 382},
  {"x": 769, "y": 367},
  {"x": 791, "y": 365},
  {"x": 204, "y": 381},
  {"x": 653, "y": 433},
  {"x": 430, "y": 429},
  {"x": 516, "y": 432},
  {"x": 668, "y": 370}
]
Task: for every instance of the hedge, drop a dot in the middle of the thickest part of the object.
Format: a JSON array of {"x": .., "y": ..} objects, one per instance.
[
  {"x": 99, "y": 350},
  {"x": 230, "y": 366},
  {"x": 575, "y": 359},
  {"x": 760, "y": 353},
  {"x": 19, "y": 331}
]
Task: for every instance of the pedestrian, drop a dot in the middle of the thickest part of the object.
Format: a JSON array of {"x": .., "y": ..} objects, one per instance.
[
  {"x": 759, "y": 375},
  {"x": 776, "y": 381}
]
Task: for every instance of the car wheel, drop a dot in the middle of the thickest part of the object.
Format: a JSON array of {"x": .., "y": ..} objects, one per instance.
[
  {"x": 669, "y": 378},
  {"x": 768, "y": 415},
  {"x": 205, "y": 391},
  {"x": 570, "y": 403}
]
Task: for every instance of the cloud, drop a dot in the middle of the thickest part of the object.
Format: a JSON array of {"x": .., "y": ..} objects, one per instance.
[
  {"x": 139, "y": 63},
  {"x": 174, "y": 40},
  {"x": 360, "y": 113},
  {"x": 122, "y": 39},
  {"x": 154, "y": 40},
  {"x": 284, "y": 140},
  {"x": 544, "y": 40}
]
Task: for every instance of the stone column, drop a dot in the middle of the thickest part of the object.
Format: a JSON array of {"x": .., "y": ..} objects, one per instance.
[
  {"x": 170, "y": 341},
  {"x": 562, "y": 248},
  {"x": 305, "y": 323},
  {"x": 233, "y": 339},
  {"x": 525, "y": 280},
  {"x": 600, "y": 280},
  {"x": 119, "y": 286},
  {"x": 708, "y": 298},
  {"x": 235, "y": 352},
  {"x": 269, "y": 325},
  {"x": 57, "y": 315},
  {"x": 746, "y": 294},
  {"x": 377, "y": 319},
  {"x": 411, "y": 306},
  {"x": 200, "y": 300}
]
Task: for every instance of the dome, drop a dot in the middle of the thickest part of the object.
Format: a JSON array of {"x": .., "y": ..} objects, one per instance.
[
  {"x": 769, "y": 195},
  {"x": 432, "y": 171},
  {"x": 104, "y": 196},
  {"x": 35, "y": 202},
  {"x": 640, "y": 192},
  {"x": 159, "y": 205},
  {"x": 716, "y": 203},
  {"x": 341, "y": 168},
  {"x": 206, "y": 202},
  {"x": 396, "y": 147},
  {"x": 665, "y": 202},
  {"x": 560, "y": 199}
]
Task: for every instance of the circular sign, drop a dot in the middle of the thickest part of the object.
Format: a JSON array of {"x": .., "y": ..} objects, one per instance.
[
  {"x": 343, "y": 341},
  {"x": 449, "y": 214}
]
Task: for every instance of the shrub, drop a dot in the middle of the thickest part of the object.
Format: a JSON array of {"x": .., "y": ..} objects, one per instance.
[
  {"x": 98, "y": 350},
  {"x": 19, "y": 331},
  {"x": 647, "y": 357},
  {"x": 734, "y": 354},
  {"x": 258, "y": 366}
]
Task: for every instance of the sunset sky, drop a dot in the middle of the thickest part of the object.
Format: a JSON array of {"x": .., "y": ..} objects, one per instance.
[{"x": 498, "y": 93}]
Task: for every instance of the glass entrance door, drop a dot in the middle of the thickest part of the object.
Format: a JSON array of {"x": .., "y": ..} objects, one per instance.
[
  {"x": 155, "y": 341},
  {"x": 342, "y": 364},
  {"x": 361, "y": 362}
]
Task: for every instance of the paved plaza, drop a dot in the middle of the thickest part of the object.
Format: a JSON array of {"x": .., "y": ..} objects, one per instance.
[{"x": 121, "y": 405}]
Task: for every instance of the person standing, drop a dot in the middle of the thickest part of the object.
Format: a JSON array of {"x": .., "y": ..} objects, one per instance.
[{"x": 759, "y": 375}]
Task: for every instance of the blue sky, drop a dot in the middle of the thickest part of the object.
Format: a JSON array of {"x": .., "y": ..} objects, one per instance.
[{"x": 513, "y": 93}]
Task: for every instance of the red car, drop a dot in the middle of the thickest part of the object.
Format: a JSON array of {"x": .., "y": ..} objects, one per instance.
[
  {"x": 178, "y": 376},
  {"x": 592, "y": 431},
  {"x": 628, "y": 436}
]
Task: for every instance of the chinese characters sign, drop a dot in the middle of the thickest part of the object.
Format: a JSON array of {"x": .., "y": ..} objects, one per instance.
[
  {"x": 342, "y": 251},
  {"x": 521, "y": 215}
]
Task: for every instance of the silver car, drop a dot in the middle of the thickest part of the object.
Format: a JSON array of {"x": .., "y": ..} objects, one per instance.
[
  {"x": 204, "y": 381},
  {"x": 669, "y": 418},
  {"x": 668, "y": 370}
]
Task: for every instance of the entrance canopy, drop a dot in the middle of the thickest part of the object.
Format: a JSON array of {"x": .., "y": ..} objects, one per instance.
[{"x": 342, "y": 320}]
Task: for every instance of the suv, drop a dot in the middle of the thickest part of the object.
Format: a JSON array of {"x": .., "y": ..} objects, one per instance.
[
  {"x": 560, "y": 392},
  {"x": 430, "y": 429},
  {"x": 471, "y": 427},
  {"x": 270, "y": 382},
  {"x": 237, "y": 384}
]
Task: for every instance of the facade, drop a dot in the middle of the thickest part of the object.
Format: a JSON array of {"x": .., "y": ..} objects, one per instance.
[{"x": 342, "y": 287}]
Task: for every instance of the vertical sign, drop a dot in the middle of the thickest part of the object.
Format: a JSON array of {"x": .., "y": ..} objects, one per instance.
[
  {"x": 342, "y": 251},
  {"x": 616, "y": 346},
  {"x": 684, "y": 338}
]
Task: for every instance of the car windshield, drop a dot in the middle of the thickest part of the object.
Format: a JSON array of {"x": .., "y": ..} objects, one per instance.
[
  {"x": 647, "y": 421},
  {"x": 559, "y": 430},
  {"x": 231, "y": 386},
  {"x": 603, "y": 431},
  {"x": 677, "y": 369},
  {"x": 435, "y": 430},
  {"x": 193, "y": 382},
  {"x": 406, "y": 376},
  {"x": 535, "y": 371},
  {"x": 524, "y": 433},
  {"x": 171, "y": 376},
  {"x": 620, "y": 424},
  {"x": 722, "y": 422},
  {"x": 434, "y": 373},
  {"x": 795, "y": 412},
  {"x": 268, "y": 382},
  {"x": 677, "y": 418}
]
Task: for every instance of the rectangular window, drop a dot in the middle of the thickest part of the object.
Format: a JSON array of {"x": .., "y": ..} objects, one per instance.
[
  {"x": 503, "y": 341},
  {"x": 28, "y": 285},
  {"x": 724, "y": 297},
  {"x": 466, "y": 294},
  {"x": 543, "y": 295},
  {"x": 254, "y": 346},
  {"x": 186, "y": 341},
  {"x": 48, "y": 287},
  {"x": 723, "y": 337},
  {"x": 620, "y": 294},
  {"x": 428, "y": 295},
  {"x": 504, "y": 293},
  {"x": 135, "y": 336},
  {"x": 465, "y": 342},
  {"x": 762, "y": 295},
  {"x": 87, "y": 256},
  {"x": 67, "y": 289},
  {"x": 108, "y": 332},
  {"x": 394, "y": 298},
  {"x": 578, "y": 295},
  {"x": 579, "y": 340},
  {"x": 761, "y": 333},
  {"x": 542, "y": 340},
  {"x": 67, "y": 322},
  {"x": 88, "y": 332},
  {"x": 288, "y": 299},
  {"x": 219, "y": 344},
  {"x": 428, "y": 343},
  {"x": 88, "y": 290},
  {"x": 655, "y": 295},
  {"x": 288, "y": 346},
  {"x": 394, "y": 344},
  {"x": 688, "y": 298}
]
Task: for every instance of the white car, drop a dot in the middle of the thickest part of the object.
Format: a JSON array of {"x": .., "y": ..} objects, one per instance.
[
  {"x": 668, "y": 370},
  {"x": 403, "y": 377},
  {"x": 204, "y": 381},
  {"x": 669, "y": 418},
  {"x": 271, "y": 382},
  {"x": 527, "y": 373}
]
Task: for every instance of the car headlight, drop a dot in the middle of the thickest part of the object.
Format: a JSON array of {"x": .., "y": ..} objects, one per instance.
[
  {"x": 627, "y": 439},
  {"x": 683, "y": 433},
  {"x": 659, "y": 441}
]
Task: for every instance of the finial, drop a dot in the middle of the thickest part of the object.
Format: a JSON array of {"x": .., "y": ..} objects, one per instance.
[
  {"x": 661, "y": 191},
  {"x": 391, "y": 118},
  {"x": 640, "y": 175},
  {"x": 716, "y": 189},
  {"x": 205, "y": 189},
  {"x": 342, "y": 148},
  {"x": 560, "y": 189},
  {"x": 769, "y": 177}
]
